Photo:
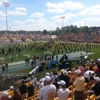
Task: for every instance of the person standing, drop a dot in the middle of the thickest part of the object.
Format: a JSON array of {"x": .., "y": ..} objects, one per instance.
[
  {"x": 48, "y": 91},
  {"x": 63, "y": 92},
  {"x": 34, "y": 80},
  {"x": 6, "y": 66},
  {"x": 57, "y": 57},
  {"x": 32, "y": 64},
  {"x": 3, "y": 69},
  {"x": 16, "y": 55},
  {"x": 79, "y": 86},
  {"x": 30, "y": 89},
  {"x": 23, "y": 90}
]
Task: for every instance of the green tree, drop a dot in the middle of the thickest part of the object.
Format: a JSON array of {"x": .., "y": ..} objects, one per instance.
[{"x": 45, "y": 31}]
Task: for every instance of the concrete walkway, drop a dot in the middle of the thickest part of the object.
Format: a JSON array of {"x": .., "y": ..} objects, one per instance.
[{"x": 17, "y": 66}]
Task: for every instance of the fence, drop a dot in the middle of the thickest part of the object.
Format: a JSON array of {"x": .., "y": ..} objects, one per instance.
[{"x": 6, "y": 80}]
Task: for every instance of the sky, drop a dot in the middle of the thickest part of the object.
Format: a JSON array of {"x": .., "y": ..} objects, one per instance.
[{"x": 37, "y": 15}]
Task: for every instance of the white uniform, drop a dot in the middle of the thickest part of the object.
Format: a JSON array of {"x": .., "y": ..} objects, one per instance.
[
  {"x": 47, "y": 93},
  {"x": 63, "y": 94}
]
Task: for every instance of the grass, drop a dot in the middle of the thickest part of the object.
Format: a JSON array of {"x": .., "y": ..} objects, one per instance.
[
  {"x": 68, "y": 46},
  {"x": 94, "y": 48}
]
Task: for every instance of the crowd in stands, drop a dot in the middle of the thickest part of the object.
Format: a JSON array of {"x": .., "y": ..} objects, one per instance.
[
  {"x": 96, "y": 39},
  {"x": 72, "y": 37},
  {"x": 80, "y": 83},
  {"x": 80, "y": 37}
]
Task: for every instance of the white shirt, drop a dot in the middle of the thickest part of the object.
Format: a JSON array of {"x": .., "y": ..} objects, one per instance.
[
  {"x": 63, "y": 94},
  {"x": 52, "y": 78},
  {"x": 41, "y": 85},
  {"x": 34, "y": 80},
  {"x": 86, "y": 74},
  {"x": 46, "y": 92}
]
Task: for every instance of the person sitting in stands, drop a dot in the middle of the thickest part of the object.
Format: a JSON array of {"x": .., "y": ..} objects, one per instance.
[
  {"x": 11, "y": 91},
  {"x": 17, "y": 95},
  {"x": 5, "y": 96},
  {"x": 41, "y": 84},
  {"x": 96, "y": 87}
]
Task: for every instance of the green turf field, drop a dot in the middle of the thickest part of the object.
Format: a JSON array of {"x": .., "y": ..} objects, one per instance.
[
  {"x": 58, "y": 48},
  {"x": 31, "y": 48}
]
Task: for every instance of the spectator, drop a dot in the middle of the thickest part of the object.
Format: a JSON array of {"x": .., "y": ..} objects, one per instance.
[
  {"x": 66, "y": 78},
  {"x": 17, "y": 95},
  {"x": 71, "y": 78},
  {"x": 52, "y": 77},
  {"x": 61, "y": 77},
  {"x": 56, "y": 83},
  {"x": 87, "y": 75},
  {"x": 23, "y": 90},
  {"x": 30, "y": 89},
  {"x": 63, "y": 92},
  {"x": 47, "y": 74},
  {"x": 79, "y": 86},
  {"x": 5, "y": 96},
  {"x": 34, "y": 80},
  {"x": 41, "y": 84},
  {"x": 83, "y": 69},
  {"x": 11, "y": 91},
  {"x": 48, "y": 91},
  {"x": 96, "y": 87}
]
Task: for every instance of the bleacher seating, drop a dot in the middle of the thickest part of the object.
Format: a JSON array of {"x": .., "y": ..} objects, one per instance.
[{"x": 87, "y": 86}]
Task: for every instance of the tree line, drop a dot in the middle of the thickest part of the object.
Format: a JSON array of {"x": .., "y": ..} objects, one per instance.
[{"x": 65, "y": 29}]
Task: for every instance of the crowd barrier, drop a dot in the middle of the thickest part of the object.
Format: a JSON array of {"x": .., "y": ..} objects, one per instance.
[{"x": 34, "y": 70}]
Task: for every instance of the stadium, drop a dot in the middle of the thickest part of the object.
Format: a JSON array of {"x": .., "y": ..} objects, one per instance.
[{"x": 42, "y": 59}]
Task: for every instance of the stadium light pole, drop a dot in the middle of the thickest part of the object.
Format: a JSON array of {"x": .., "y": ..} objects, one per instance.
[
  {"x": 6, "y": 4},
  {"x": 62, "y": 17}
]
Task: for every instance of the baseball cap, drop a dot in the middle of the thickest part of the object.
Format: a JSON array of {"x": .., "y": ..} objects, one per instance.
[
  {"x": 69, "y": 72},
  {"x": 97, "y": 79},
  {"x": 47, "y": 78},
  {"x": 11, "y": 87},
  {"x": 62, "y": 82},
  {"x": 47, "y": 73},
  {"x": 78, "y": 71}
]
